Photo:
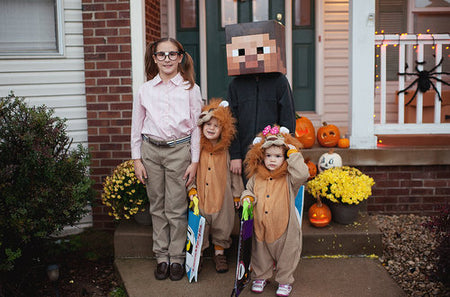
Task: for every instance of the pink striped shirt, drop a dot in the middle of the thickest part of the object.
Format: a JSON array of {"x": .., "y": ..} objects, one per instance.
[{"x": 166, "y": 111}]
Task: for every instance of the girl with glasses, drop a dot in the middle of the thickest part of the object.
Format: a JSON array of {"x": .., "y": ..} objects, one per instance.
[{"x": 165, "y": 147}]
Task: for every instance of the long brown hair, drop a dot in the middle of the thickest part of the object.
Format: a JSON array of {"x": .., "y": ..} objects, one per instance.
[{"x": 186, "y": 67}]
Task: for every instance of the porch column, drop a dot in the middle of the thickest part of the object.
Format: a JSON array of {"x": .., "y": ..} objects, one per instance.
[
  {"x": 137, "y": 20},
  {"x": 362, "y": 61}
]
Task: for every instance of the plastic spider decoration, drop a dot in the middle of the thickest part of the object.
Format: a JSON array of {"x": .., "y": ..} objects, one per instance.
[{"x": 424, "y": 80}]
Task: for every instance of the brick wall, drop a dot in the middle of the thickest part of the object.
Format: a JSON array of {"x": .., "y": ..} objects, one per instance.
[
  {"x": 107, "y": 52},
  {"x": 408, "y": 189}
]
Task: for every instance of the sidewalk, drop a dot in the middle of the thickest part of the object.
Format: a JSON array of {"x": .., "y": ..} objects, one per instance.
[{"x": 318, "y": 277}]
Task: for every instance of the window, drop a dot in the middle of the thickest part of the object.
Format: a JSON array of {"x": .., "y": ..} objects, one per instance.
[
  {"x": 30, "y": 27},
  {"x": 412, "y": 17}
]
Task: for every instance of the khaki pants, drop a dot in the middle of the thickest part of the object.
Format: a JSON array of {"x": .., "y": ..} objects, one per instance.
[{"x": 167, "y": 194}]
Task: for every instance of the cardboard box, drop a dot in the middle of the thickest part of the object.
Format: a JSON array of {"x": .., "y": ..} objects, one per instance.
[
  {"x": 257, "y": 47},
  {"x": 428, "y": 107}
]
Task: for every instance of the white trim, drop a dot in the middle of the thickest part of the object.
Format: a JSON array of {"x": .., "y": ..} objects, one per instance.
[
  {"x": 172, "y": 18},
  {"x": 319, "y": 63},
  {"x": 288, "y": 37},
  {"x": 137, "y": 24},
  {"x": 203, "y": 50}
]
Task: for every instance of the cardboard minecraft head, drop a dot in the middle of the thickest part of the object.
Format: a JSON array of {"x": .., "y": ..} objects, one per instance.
[{"x": 257, "y": 47}]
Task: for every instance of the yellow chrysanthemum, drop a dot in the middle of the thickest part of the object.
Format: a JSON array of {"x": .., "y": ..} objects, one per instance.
[
  {"x": 341, "y": 185},
  {"x": 123, "y": 192}
]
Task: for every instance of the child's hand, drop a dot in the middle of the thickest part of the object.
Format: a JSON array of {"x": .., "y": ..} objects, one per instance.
[
  {"x": 189, "y": 174},
  {"x": 236, "y": 166},
  {"x": 237, "y": 203}
]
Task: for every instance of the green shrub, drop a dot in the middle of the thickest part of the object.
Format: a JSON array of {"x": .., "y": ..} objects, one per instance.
[{"x": 44, "y": 183}]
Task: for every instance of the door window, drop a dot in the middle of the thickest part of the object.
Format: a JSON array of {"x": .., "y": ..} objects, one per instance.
[
  {"x": 302, "y": 13},
  {"x": 229, "y": 12},
  {"x": 260, "y": 10},
  {"x": 188, "y": 17}
]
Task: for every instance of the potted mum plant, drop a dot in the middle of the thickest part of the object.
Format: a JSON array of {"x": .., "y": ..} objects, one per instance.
[
  {"x": 124, "y": 193},
  {"x": 345, "y": 188}
]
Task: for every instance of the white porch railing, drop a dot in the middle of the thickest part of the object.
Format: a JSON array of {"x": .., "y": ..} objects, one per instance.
[{"x": 403, "y": 42}]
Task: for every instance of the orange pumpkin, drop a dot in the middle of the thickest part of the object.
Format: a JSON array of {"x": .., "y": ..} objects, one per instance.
[
  {"x": 319, "y": 214},
  {"x": 311, "y": 167},
  {"x": 344, "y": 143},
  {"x": 328, "y": 135},
  {"x": 304, "y": 131}
]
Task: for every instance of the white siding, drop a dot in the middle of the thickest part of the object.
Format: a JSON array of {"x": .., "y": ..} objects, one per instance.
[
  {"x": 57, "y": 82},
  {"x": 336, "y": 79}
]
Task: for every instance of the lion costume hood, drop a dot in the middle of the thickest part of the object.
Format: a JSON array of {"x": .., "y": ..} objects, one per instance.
[{"x": 218, "y": 109}]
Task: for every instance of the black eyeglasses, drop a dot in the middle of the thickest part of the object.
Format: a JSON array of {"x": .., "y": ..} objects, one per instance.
[{"x": 161, "y": 56}]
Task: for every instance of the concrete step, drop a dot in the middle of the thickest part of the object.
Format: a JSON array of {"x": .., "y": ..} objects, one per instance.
[
  {"x": 132, "y": 240},
  {"x": 318, "y": 277}
]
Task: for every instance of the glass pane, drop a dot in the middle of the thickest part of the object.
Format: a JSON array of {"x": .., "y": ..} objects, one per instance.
[
  {"x": 436, "y": 23},
  {"x": 431, "y": 3},
  {"x": 229, "y": 12},
  {"x": 188, "y": 14},
  {"x": 260, "y": 10},
  {"x": 302, "y": 12},
  {"x": 27, "y": 26}
]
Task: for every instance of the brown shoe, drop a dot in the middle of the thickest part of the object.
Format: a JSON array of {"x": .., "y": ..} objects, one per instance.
[
  {"x": 221, "y": 263},
  {"x": 176, "y": 271},
  {"x": 162, "y": 271}
]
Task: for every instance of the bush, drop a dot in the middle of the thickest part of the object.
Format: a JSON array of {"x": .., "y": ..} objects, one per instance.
[{"x": 44, "y": 184}]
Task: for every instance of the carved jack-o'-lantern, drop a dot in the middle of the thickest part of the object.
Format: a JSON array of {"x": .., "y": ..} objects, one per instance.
[
  {"x": 328, "y": 135},
  {"x": 329, "y": 160},
  {"x": 304, "y": 131},
  {"x": 319, "y": 214}
]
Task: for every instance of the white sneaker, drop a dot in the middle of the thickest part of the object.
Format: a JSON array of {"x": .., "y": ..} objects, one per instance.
[
  {"x": 284, "y": 290},
  {"x": 258, "y": 285}
]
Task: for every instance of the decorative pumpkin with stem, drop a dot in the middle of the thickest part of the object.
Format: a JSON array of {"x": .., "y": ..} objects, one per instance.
[
  {"x": 304, "y": 131},
  {"x": 328, "y": 135},
  {"x": 319, "y": 214},
  {"x": 312, "y": 168},
  {"x": 344, "y": 143}
]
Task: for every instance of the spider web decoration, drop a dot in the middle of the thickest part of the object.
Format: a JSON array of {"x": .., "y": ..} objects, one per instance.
[{"x": 424, "y": 80}]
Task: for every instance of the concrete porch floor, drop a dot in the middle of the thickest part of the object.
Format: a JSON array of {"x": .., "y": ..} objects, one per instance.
[{"x": 317, "y": 277}]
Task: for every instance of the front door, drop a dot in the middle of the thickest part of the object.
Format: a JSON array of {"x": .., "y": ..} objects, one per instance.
[{"x": 220, "y": 13}]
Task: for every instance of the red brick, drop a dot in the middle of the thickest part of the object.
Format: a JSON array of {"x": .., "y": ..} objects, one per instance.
[
  {"x": 120, "y": 138},
  {"x": 107, "y": 81},
  {"x": 94, "y": 40},
  {"x": 89, "y": 56},
  {"x": 411, "y": 183},
  {"x": 94, "y": 24},
  {"x": 399, "y": 175},
  {"x": 125, "y": 155},
  {"x": 111, "y": 130},
  {"x": 110, "y": 146},
  {"x": 96, "y": 90},
  {"x": 106, "y": 15},
  {"x": 119, "y": 40},
  {"x": 92, "y": 7},
  {"x": 422, "y": 191},
  {"x": 108, "y": 97},
  {"x": 443, "y": 191},
  {"x": 118, "y": 23},
  {"x": 101, "y": 138},
  {"x": 97, "y": 106},
  {"x": 108, "y": 65},
  {"x": 109, "y": 114},
  {"x": 398, "y": 191},
  {"x": 120, "y": 89},
  {"x": 96, "y": 73},
  {"x": 118, "y": 6},
  {"x": 122, "y": 106},
  {"x": 387, "y": 184},
  {"x": 402, "y": 200},
  {"x": 120, "y": 72},
  {"x": 119, "y": 56},
  {"x": 101, "y": 155},
  {"x": 106, "y": 32},
  {"x": 98, "y": 123}
]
